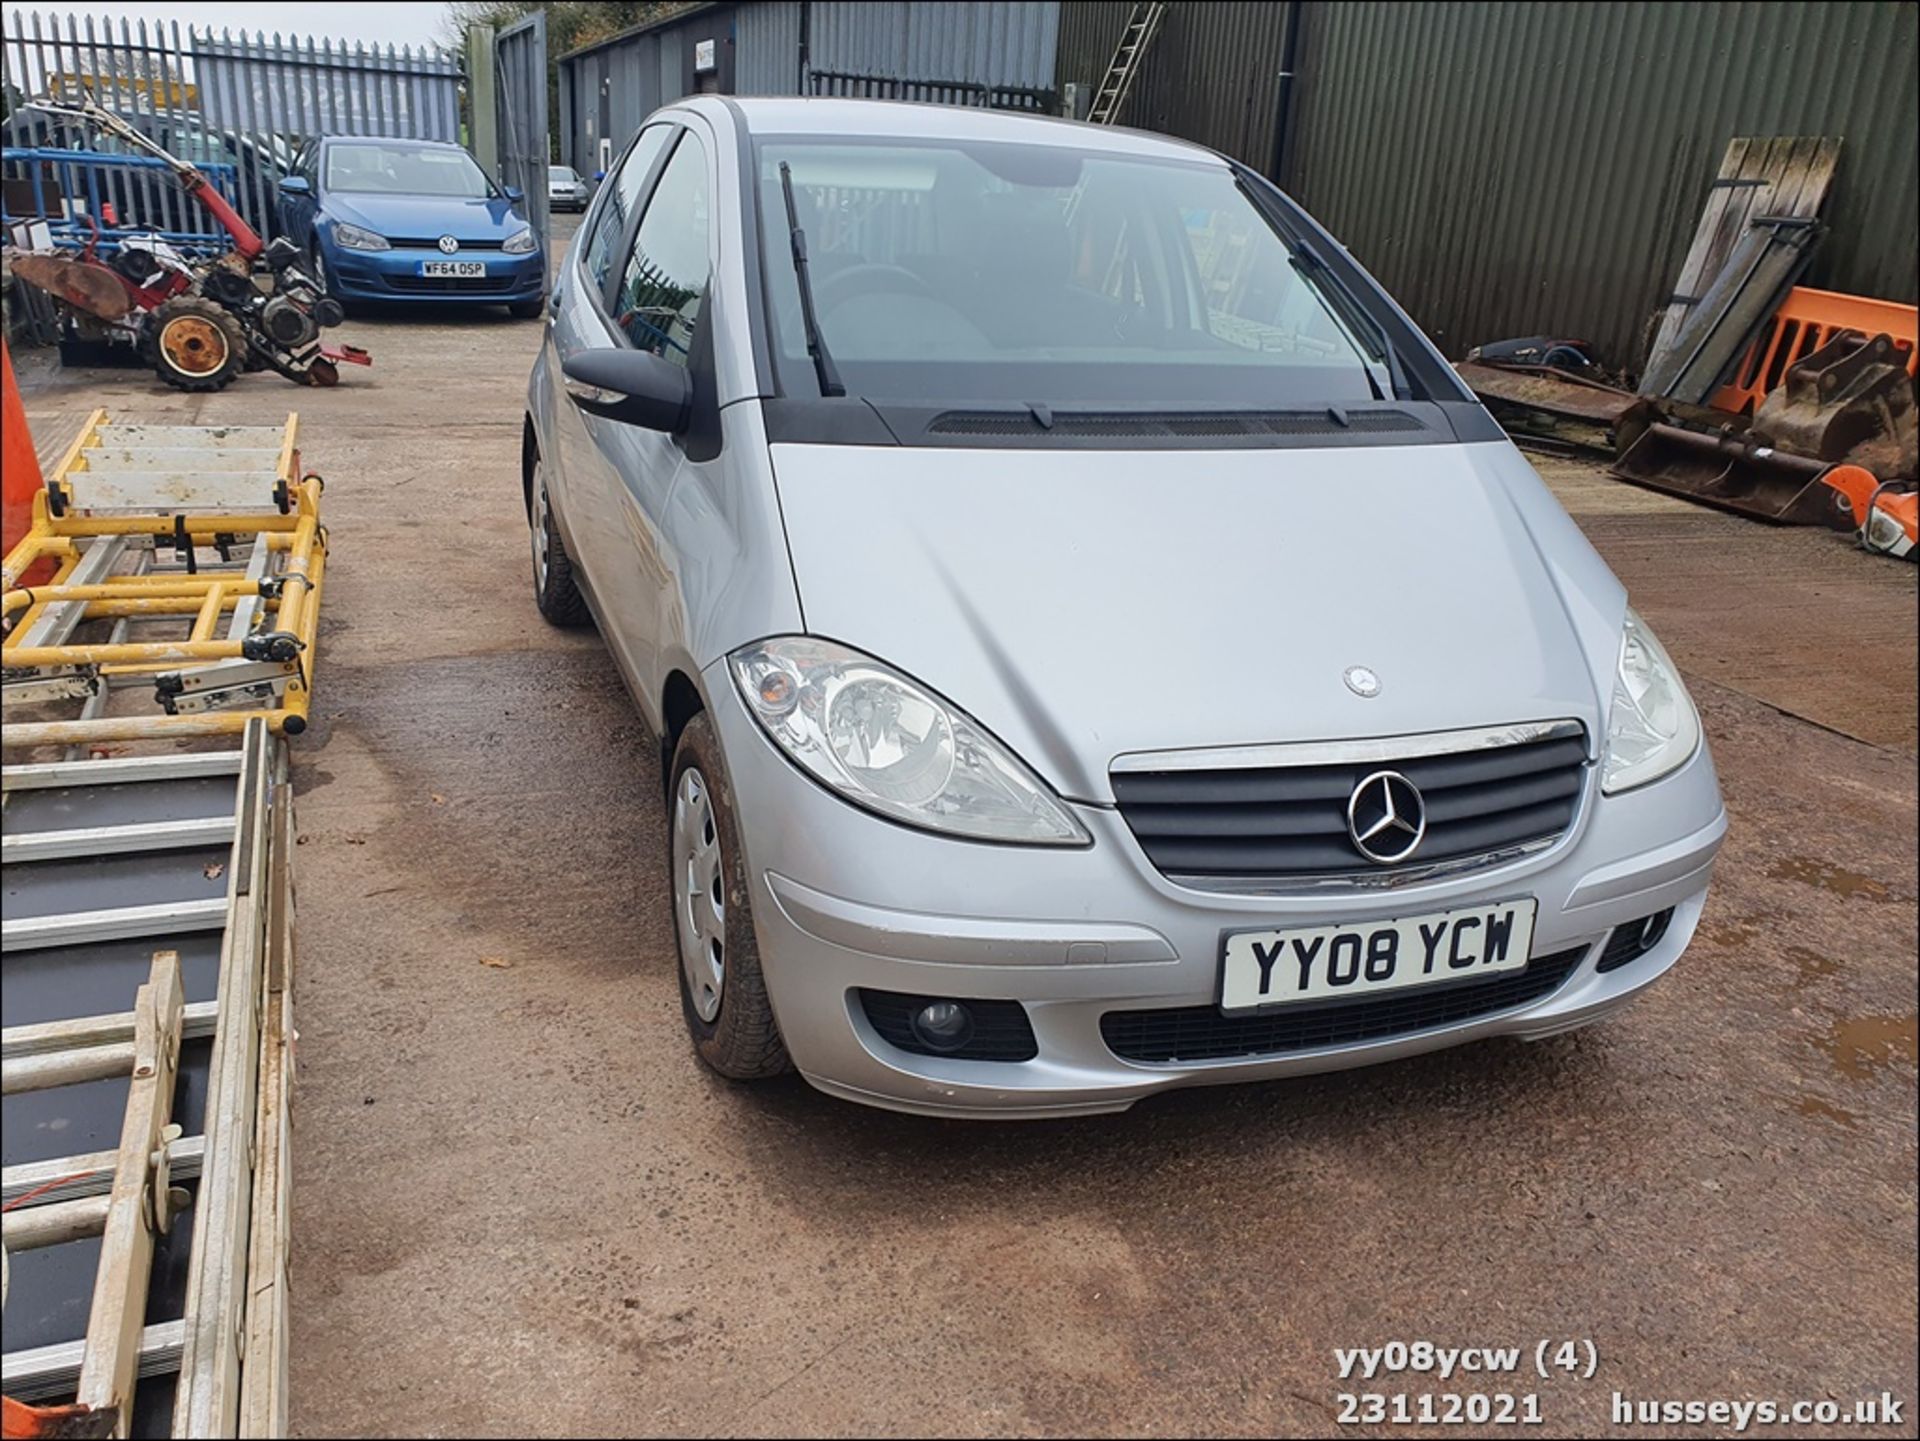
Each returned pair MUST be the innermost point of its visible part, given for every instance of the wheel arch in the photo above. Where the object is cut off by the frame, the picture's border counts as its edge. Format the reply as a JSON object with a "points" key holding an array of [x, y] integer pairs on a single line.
{"points": [[529, 457], [680, 702]]}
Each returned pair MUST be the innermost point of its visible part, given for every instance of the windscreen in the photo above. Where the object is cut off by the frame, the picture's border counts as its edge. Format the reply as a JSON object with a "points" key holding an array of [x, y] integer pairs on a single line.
{"points": [[949, 273], [386, 168]]}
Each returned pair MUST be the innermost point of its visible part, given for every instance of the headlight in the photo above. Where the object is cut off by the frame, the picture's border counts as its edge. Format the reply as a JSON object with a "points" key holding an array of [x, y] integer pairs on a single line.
{"points": [[354, 238], [891, 745], [1653, 727], [519, 243]]}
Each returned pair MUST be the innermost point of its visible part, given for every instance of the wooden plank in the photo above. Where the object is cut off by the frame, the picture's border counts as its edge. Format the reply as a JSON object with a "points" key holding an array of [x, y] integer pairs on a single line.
{"points": [[1781, 175], [1688, 281], [110, 1366], [263, 1394], [207, 1400]]}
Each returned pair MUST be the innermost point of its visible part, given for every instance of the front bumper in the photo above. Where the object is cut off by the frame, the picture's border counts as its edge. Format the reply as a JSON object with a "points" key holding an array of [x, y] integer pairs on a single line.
{"points": [[393, 276], [843, 900]]}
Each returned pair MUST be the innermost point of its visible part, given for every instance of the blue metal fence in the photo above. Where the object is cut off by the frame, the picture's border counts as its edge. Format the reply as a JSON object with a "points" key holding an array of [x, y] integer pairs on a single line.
{"points": [[87, 195]]}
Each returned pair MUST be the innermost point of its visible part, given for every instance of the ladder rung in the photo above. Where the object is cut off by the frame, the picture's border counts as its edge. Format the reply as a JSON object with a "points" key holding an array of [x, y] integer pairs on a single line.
{"points": [[123, 923], [50, 774], [55, 1370], [197, 1019], [117, 840], [90, 1174]]}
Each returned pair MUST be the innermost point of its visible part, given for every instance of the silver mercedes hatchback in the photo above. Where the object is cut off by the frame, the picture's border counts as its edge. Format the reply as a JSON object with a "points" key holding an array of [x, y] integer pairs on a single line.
{"points": [[1096, 644]]}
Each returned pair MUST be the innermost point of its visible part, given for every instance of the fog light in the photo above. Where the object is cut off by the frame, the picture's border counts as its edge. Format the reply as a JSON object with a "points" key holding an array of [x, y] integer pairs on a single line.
{"points": [[943, 1025], [1634, 940]]}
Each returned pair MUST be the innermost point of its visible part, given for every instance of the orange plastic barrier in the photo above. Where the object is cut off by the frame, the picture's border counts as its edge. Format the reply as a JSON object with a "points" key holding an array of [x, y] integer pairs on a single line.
{"points": [[1808, 319], [20, 477]]}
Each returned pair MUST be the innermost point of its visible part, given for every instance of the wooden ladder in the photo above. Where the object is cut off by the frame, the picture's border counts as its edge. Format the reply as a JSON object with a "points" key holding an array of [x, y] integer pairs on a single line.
{"points": [[1142, 25]]}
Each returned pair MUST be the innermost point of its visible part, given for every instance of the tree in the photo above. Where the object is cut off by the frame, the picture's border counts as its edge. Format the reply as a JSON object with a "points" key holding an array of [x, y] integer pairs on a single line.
{"points": [[570, 24]]}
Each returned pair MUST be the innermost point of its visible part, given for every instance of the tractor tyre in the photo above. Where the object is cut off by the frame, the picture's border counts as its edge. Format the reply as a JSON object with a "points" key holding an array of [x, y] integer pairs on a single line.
{"points": [[194, 344]]}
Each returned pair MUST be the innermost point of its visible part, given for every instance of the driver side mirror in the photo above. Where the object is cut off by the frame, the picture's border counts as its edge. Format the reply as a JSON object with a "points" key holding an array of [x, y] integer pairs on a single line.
{"points": [[634, 386], [514, 193], [294, 185]]}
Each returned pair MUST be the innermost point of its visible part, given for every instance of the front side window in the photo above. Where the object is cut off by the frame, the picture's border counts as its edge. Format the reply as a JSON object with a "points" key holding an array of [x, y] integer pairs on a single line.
{"points": [[956, 272], [617, 204], [658, 304], [363, 167]]}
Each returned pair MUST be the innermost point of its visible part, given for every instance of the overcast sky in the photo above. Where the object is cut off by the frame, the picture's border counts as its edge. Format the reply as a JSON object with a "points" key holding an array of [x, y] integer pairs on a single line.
{"points": [[393, 22]]}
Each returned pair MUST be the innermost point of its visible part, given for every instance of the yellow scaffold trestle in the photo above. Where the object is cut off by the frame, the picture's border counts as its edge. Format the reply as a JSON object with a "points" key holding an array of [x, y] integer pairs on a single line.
{"points": [[187, 559]]}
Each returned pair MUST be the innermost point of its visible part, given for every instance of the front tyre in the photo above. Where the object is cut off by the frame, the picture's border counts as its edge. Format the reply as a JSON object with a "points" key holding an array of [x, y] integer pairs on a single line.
{"points": [[722, 993], [554, 588], [526, 309]]}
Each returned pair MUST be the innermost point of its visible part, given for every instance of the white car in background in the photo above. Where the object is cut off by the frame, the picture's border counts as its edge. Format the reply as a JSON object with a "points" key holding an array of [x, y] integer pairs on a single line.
{"points": [[565, 189]]}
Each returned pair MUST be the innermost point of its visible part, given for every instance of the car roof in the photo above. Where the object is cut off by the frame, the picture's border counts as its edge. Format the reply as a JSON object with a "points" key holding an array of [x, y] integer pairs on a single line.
{"points": [[396, 140], [914, 120]]}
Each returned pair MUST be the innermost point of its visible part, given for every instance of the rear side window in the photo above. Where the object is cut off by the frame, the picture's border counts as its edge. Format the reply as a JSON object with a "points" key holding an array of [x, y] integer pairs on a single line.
{"points": [[623, 194], [658, 306]]}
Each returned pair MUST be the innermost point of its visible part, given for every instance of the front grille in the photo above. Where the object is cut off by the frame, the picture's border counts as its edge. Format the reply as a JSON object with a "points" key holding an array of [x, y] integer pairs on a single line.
{"points": [[1001, 1031], [1202, 1033], [432, 242], [1269, 822], [452, 284]]}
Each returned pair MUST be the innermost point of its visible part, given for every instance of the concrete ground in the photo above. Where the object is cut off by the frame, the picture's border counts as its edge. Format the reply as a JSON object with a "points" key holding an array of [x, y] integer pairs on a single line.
{"points": [[522, 1208]]}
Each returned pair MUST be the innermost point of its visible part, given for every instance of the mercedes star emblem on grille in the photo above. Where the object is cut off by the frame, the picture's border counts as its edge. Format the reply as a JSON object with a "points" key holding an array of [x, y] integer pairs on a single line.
{"points": [[1362, 682], [1386, 817], [448, 245]]}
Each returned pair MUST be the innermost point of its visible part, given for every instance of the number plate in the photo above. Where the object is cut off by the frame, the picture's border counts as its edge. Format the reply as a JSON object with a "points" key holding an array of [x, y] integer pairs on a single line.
{"points": [[1330, 963], [458, 269]]}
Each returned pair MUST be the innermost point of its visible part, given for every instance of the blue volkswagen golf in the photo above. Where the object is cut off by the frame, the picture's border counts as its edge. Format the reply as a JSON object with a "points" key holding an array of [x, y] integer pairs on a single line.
{"points": [[410, 220]]}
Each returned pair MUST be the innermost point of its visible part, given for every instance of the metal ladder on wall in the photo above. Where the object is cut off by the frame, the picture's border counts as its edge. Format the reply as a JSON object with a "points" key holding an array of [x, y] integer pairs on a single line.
{"points": [[1142, 25]]}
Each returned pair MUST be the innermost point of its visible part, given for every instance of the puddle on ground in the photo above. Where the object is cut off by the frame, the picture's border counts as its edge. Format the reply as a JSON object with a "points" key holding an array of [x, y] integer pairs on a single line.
{"points": [[1864, 1044], [1829, 877], [1731, 934], [1812, 966], [1822, 1110]]}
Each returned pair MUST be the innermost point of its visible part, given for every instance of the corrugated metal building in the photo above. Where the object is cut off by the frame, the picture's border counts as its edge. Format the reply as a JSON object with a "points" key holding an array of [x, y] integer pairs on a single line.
{"points": [[1510, 168], [1002, 51]]}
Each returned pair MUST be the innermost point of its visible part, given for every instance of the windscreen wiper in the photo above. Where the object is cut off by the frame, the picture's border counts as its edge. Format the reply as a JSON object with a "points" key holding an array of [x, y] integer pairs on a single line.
{"points": [[1331, 288], [823, 365], [1309, 263]]}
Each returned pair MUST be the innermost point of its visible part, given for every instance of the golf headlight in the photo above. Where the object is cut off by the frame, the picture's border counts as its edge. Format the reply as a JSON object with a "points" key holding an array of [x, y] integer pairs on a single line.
{"points": [[891, 745], [1653, 727], [519, 243], [352, 237]]}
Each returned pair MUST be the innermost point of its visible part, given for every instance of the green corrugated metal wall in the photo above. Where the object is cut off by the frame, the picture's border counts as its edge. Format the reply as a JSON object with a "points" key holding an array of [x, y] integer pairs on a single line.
{"points": [[1212, 74], [1509, 168]]}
